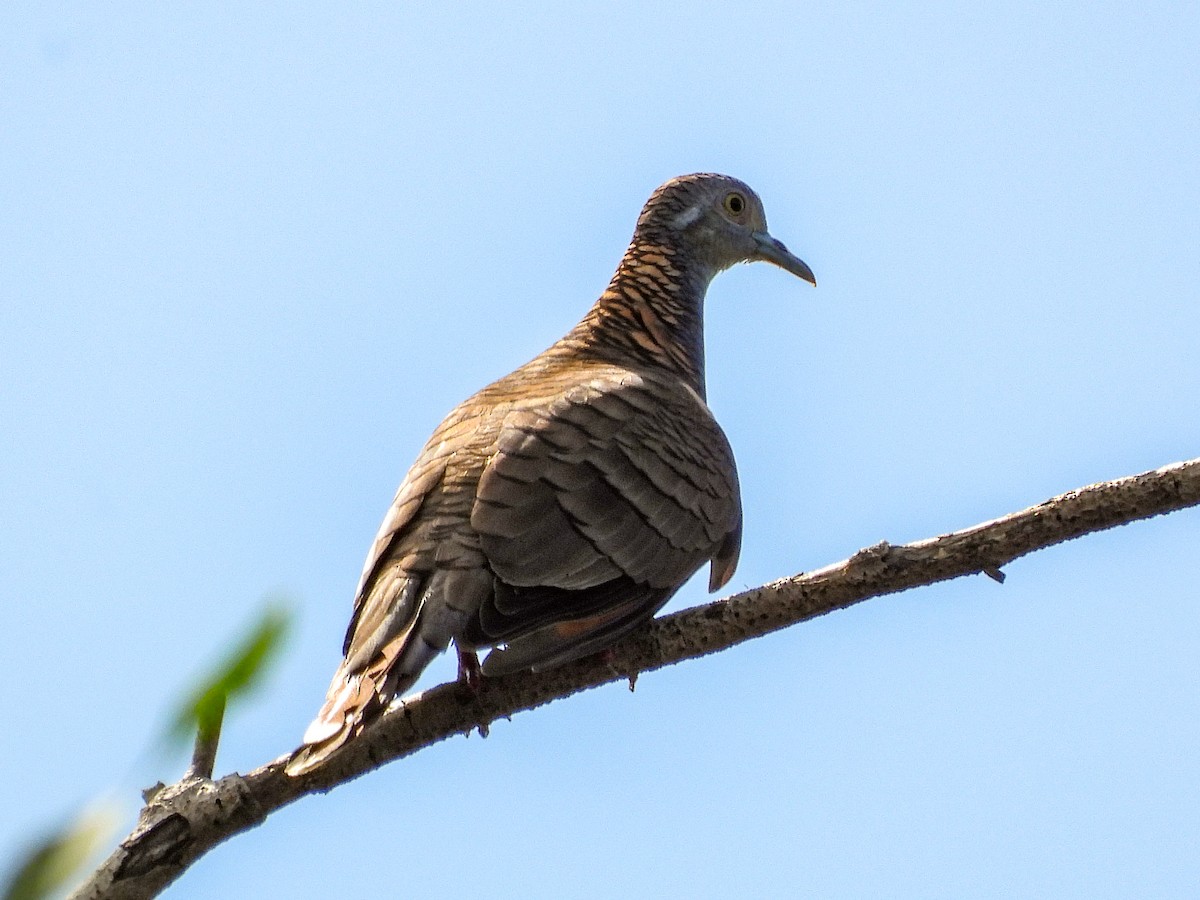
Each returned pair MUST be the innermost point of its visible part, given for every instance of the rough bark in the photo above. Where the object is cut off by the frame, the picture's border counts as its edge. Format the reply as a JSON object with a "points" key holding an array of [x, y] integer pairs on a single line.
{"points": [[183, 821]]}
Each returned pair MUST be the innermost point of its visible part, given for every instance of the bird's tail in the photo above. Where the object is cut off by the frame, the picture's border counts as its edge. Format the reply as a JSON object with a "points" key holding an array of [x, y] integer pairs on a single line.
{"points": [[359, 696], [352, 702], [393, 637]]}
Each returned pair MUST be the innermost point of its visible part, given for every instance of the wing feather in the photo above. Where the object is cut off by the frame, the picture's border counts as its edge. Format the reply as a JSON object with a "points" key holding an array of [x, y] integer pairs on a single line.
{"points": [[596, 507]]}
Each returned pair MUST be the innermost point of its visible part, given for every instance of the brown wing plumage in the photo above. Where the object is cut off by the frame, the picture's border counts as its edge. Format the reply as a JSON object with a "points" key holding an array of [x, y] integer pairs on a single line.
{"points": [[551, 523], [594, 510]]}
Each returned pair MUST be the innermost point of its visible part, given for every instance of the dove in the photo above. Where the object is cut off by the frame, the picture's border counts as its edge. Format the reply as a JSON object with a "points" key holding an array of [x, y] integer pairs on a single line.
{"points": [[562, 506]]}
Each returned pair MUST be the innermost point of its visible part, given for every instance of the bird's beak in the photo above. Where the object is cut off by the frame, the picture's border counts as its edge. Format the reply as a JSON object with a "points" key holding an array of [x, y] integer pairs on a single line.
{"points": [[773, 251]]}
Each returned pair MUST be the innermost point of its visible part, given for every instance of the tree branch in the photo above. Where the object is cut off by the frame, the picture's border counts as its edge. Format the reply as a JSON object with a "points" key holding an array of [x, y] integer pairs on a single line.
{"points": [[185, 820]]}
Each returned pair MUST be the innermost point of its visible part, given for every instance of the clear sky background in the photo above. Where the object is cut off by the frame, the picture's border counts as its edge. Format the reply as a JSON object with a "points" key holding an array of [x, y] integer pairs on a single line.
{"points": [[250, 255]]}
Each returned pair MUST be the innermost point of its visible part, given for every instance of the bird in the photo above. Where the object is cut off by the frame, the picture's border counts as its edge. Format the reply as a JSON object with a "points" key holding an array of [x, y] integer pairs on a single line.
{"points": [[561, 507]]}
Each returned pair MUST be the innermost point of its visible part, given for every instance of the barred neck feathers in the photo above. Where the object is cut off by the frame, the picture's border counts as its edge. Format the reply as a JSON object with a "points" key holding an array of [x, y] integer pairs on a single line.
{"points": [[652, 312]]}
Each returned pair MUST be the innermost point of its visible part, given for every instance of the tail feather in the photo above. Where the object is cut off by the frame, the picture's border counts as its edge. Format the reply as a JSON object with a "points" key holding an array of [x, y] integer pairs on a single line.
{"points": [[353, 702], [356, 699], [389, 647]]}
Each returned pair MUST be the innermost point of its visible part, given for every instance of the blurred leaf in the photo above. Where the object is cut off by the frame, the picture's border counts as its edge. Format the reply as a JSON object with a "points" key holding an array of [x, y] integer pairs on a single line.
{"points": [[237, 674], [55, 860]]}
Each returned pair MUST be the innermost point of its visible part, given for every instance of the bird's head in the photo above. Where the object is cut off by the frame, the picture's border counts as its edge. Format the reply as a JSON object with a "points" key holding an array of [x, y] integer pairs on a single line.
{"points": [[718, 220]]}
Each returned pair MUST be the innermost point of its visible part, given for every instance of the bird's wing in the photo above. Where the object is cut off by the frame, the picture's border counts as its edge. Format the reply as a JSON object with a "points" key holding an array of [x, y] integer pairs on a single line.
{"points": [[594, 508], [401, 550]]}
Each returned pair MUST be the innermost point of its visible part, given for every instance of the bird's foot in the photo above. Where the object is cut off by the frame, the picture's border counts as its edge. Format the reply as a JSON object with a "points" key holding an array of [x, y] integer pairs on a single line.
{"points": [[470, 676], [469, 671]]}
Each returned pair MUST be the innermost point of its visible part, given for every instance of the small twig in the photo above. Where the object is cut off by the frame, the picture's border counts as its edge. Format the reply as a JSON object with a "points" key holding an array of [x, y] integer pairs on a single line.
{"points": [[208, 736], [184, 821]]}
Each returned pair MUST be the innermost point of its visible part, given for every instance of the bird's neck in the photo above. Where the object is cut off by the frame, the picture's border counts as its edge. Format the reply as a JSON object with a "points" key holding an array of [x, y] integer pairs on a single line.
{"points": [[652, 311]]}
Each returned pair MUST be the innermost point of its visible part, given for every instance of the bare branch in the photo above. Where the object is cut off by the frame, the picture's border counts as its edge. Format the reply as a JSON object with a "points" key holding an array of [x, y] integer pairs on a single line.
{"points": [[183, 821]]}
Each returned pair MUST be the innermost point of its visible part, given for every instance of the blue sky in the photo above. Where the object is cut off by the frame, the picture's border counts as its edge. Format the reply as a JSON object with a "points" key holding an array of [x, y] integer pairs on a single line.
{"points": [[249, 256]]}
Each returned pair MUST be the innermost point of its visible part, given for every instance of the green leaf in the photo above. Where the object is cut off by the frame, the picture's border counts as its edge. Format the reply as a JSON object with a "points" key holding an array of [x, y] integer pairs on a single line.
{"points": [[55, 860], [240, 671]]}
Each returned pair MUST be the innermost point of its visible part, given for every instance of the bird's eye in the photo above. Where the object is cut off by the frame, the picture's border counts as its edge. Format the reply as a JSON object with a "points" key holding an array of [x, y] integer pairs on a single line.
{"points": [[735, 203]]}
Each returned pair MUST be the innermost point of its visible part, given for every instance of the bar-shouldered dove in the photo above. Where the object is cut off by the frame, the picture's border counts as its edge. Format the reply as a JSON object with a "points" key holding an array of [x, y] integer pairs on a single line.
{"points": [[561, 506]]}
